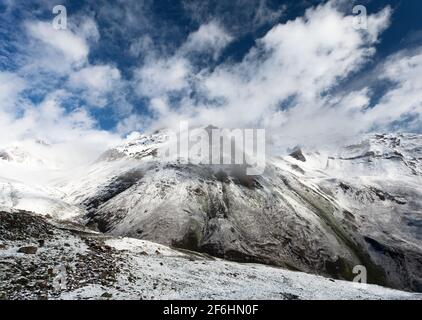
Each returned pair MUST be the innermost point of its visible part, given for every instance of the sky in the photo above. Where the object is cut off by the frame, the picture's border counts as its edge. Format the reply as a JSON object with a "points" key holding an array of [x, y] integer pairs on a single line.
{"points": [[303, 70]]}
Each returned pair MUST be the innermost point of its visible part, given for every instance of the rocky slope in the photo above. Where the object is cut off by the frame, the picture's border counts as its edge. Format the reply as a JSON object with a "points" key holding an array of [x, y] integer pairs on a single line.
{"points": [[43, 259]]}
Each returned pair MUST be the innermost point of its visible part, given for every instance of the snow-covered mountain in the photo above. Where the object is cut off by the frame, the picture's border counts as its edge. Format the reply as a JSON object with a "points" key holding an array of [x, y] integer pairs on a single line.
{"points": [[28, 173], [320, 211]]}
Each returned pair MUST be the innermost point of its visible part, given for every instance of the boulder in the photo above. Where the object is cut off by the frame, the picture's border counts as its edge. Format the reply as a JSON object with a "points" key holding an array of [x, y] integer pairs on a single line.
{"points": [[28, 250]]}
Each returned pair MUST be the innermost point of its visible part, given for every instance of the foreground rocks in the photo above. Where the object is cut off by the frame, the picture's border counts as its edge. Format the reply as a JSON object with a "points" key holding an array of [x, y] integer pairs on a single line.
{"points": [[29, 272]]}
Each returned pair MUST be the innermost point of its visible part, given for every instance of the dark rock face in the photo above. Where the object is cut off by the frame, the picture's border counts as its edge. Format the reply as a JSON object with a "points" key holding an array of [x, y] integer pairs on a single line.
{"points": [[398, 258], [298, 155], [116, 186], [4, 156]]}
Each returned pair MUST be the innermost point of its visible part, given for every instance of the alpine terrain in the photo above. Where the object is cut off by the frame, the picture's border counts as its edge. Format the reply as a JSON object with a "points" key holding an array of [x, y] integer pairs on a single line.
{"points": [[134, 225]]}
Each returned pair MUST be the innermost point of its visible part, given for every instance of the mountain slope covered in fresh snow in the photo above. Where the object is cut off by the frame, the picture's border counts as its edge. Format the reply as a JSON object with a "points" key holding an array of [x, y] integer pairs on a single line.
{"points": [[319, 211], [27, 181], [322, 212]]}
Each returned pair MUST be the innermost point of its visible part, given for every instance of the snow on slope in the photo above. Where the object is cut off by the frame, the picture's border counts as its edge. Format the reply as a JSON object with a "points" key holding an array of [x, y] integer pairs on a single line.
{"points": [[73, 263], [15, 195], [28, 172], [380, 155], [324, 213], [196, 277]]}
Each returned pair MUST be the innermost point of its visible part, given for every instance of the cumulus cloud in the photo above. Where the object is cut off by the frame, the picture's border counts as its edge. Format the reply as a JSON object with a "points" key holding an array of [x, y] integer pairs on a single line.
{"points": [[405, 70], [209, 38], [71, 47], [239, 17], [50, 121], [284, 82], [54, 67], [10, 87], [163, 76], [96, 82], [57, 60], [291, 81]]}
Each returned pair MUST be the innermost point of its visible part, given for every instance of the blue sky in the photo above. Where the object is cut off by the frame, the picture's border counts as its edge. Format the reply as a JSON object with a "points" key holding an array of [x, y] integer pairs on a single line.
{"points": [[297, 68]]}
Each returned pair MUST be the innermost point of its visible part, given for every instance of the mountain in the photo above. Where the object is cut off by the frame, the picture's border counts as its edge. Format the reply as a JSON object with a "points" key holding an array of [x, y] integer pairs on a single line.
{"points": [[322, 211], [27, 181], [44, 200]]}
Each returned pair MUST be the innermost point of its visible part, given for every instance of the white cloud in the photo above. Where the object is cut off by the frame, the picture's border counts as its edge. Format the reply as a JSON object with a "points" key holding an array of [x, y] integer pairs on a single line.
{"points": [[142, 45], [405, 70], [98, 77], [209, 38], [88, 30], [54, 55], [72, 47], [10, 87], [51, 55], [300, 60], [55, 67], [240, 17], [73, 135], [285, 83], [96, 82], [132, 123], [162, 76]]}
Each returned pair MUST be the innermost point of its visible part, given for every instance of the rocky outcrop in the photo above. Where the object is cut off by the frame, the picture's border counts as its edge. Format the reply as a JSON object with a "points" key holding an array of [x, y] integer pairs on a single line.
{"points": [[4, 156], [298, 155]]}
